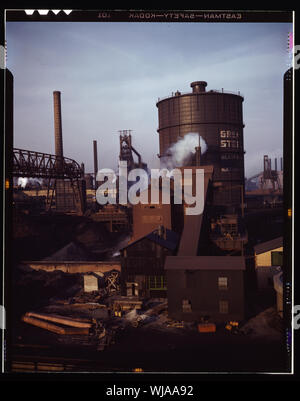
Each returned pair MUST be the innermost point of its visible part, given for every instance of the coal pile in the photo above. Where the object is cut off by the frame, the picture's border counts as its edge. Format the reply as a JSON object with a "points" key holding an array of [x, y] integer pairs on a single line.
{"points": [[35, 289], [73, 251]]}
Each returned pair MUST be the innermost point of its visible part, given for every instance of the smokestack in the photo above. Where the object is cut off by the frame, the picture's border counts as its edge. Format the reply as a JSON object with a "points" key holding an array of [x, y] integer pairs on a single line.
{"points": [[281, 166], [95, 162], [57, 124], [266, 163], [198, 155], [275, 163]]}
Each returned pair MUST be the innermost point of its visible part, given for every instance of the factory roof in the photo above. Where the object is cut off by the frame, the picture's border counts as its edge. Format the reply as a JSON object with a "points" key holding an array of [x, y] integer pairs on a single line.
{"points": [[268, 245], [167, 238], [263, 192], [205, 263], [203, 93]]}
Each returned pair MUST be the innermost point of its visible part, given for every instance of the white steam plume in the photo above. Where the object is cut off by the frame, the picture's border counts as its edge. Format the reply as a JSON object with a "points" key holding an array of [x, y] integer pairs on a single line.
{"points": [[180, 152], [23, 181]]}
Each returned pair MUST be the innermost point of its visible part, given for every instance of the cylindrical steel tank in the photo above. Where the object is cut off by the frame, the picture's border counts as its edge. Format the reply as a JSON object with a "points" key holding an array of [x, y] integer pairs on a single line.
{"points": [[218, 118], [57, 124]]}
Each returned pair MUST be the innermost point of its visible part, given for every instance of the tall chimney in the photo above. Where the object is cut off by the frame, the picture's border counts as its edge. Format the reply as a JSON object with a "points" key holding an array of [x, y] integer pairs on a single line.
{"points": [[95, 162], [281, 165], [57, 124], [198, 155], [275, 163]]}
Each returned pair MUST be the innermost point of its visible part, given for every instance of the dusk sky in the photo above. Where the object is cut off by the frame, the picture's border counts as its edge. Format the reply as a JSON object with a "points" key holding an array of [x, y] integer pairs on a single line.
{"points": [[112, 74]]}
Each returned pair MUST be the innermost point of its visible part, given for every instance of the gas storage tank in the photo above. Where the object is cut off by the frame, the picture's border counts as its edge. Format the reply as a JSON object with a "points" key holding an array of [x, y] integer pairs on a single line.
{"points": [[217, 116]]}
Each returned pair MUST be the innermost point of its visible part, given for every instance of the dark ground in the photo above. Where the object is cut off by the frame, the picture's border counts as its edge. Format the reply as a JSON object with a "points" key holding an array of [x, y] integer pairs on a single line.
{"points": [[150, 348], [175, 350], [159, 351]]}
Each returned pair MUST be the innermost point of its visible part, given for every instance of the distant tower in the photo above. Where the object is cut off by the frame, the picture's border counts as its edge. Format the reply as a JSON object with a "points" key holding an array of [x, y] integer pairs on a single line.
{"points": [[126, 148], [69, 195], [57, 124]]}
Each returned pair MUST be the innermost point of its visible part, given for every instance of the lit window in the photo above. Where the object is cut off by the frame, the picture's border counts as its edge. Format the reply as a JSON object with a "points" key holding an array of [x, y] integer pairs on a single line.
{"points": [[157, 283], [223, 283]]}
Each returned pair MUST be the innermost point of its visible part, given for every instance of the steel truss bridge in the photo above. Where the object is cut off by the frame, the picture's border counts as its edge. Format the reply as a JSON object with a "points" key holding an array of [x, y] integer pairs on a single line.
{"points": [[27, 163], [56, 169]]}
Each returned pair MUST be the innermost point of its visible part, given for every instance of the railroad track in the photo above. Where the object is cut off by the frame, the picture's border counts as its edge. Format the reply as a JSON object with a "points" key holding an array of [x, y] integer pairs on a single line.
{"points": [[33, 363]]}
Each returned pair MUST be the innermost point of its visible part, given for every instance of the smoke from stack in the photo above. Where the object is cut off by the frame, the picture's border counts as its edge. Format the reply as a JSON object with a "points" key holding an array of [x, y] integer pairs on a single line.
{"points": [[180, 152], [23, 181]]}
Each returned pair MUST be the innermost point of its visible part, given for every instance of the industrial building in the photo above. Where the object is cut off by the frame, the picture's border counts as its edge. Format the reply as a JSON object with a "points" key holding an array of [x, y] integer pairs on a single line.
{"points": [[203, 280], [268, 262], [192, 276], [209, 254], [143, 263], [116, 218], [210, 287], [148, 217], [265, 189], [217, 116], [196, 261], [167, 224]]}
